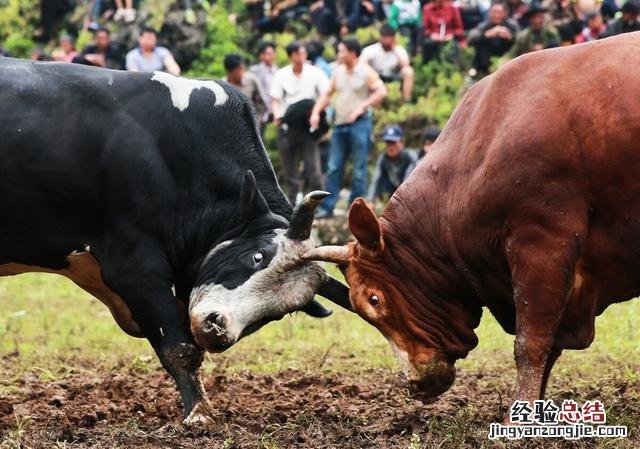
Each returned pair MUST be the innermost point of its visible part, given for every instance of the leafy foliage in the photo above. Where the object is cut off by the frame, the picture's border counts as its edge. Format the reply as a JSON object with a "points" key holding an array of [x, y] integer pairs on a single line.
{"points": [[223, 37], [17, 23]]}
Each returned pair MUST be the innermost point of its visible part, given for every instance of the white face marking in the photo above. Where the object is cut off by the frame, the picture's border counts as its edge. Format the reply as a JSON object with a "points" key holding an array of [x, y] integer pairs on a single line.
{"points": [[181, 88], [215, 249], [402, 356], [283, 286]]}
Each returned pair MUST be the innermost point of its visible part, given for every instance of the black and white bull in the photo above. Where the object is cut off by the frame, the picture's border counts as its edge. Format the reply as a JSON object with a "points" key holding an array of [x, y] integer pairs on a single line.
{"points": [[155, 194]]}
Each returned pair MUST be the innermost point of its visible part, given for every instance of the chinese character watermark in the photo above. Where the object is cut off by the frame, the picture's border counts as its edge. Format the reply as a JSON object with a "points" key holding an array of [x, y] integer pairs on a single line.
{"points": [[546, 420]]}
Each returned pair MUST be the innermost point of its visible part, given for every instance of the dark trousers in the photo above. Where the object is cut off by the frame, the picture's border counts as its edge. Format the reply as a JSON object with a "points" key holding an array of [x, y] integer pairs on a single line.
{"points": [[296, 146], [431, 49], [412, 34], [485, 50]]}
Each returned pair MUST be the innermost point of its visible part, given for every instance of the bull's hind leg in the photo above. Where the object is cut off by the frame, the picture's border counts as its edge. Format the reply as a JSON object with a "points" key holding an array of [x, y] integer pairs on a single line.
{"points": [[143, 282], [542, 262]]}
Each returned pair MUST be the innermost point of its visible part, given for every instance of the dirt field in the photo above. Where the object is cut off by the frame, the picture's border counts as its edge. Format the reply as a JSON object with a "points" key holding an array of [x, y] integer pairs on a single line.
{"points": [[289, 409]]}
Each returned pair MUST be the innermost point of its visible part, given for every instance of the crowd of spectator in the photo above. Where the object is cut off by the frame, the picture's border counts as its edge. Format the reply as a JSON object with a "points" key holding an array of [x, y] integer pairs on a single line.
{"points": [[303, 97], [358, 77]]}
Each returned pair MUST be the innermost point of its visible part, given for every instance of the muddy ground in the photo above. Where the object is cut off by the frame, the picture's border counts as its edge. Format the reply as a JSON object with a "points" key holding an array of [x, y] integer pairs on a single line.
{"points": [[288, 409]]}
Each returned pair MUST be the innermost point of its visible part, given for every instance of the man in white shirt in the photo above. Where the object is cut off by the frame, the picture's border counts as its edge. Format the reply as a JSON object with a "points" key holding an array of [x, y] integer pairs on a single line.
{"points": [[390, 60], [294, 91]]}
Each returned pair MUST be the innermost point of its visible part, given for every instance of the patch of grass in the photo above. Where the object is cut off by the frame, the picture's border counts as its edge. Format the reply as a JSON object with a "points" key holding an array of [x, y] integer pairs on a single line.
{"points": [[47, 320]]}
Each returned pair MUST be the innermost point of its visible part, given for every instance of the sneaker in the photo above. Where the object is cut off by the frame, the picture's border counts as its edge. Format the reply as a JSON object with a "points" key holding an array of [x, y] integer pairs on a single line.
{"points": [[129, 15], [119, 15]]}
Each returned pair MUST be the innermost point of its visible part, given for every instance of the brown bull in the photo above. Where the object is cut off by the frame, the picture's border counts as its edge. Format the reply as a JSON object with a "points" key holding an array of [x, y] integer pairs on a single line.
{"points": [[528, 204]]}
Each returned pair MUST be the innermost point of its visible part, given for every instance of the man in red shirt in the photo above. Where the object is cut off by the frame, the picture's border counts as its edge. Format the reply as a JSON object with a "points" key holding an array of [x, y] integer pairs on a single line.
{"points": [[442, 23]]}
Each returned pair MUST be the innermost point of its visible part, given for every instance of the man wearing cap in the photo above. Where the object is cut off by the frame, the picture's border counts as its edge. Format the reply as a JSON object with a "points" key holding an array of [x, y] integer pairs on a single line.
{"points": [[538, 36], [391, 167]]}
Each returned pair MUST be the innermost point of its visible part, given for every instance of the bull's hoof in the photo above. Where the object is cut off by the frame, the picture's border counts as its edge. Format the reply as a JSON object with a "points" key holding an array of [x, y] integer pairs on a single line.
{"points": [[199, 416]]}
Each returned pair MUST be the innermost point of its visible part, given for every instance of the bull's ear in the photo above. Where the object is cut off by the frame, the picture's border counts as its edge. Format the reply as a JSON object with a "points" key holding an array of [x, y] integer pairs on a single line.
{"points": [[366, 228], [252, 203]]}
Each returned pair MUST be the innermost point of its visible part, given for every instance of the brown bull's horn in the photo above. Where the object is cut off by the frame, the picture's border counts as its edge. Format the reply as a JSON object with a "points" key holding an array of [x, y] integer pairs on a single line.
{"points": [[302, 218], [336, 292], [332, 253]]}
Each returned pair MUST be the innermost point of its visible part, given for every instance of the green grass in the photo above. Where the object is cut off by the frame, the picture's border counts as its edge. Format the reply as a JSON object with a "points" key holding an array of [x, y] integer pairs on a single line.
{"points": [[48, 321]]}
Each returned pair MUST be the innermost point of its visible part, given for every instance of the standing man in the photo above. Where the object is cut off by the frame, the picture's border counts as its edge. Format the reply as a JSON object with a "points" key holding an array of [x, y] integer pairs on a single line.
{"points": [[265, 71], [358, 88], [294, 91], [390, 60]]}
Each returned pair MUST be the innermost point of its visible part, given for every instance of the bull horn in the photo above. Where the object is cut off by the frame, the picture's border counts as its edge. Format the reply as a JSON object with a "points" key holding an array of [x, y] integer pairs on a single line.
{"points": [[336, 292], [331, 253], [316, 310], [302, 218]]}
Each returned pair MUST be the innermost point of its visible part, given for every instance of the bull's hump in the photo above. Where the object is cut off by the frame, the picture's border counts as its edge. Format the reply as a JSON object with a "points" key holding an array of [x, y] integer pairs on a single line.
{"points": [[181, 89]]}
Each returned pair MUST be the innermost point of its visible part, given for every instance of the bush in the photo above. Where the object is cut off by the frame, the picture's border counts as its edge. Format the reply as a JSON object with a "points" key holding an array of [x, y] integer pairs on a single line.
{"points": [[18, 19], [223, 37]]}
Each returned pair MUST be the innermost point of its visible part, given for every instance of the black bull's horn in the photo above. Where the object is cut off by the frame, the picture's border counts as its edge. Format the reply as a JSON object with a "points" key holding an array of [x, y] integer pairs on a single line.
{"points": [[302, 218], [335, 291], [300, 229]]}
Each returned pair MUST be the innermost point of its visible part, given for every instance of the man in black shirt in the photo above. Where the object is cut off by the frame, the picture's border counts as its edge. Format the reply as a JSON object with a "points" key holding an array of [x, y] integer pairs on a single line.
{"points": [[493, 37], [102, 53], [391, 166]]}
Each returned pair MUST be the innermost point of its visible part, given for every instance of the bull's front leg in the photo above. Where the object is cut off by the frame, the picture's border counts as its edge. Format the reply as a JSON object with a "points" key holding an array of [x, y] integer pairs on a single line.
{"points": [[542, 264], [145, 287]]}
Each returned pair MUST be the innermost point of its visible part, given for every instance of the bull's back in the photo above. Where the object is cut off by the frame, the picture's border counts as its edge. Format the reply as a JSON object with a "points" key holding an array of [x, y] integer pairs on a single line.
{"points": [[56, 130], [547, 121], [553, 140]]}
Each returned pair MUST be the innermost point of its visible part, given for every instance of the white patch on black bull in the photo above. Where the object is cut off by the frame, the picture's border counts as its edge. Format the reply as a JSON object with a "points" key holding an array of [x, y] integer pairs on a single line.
{"points": [[181, 88], [285, 285]]}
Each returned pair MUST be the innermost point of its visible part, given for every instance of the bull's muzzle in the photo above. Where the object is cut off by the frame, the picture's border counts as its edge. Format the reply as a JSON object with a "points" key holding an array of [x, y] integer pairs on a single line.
{"points": [[211, 332], [431, 379]]}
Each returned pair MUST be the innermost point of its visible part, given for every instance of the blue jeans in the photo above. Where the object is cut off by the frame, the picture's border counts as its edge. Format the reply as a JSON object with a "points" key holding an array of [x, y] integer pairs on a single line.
{"points": [[350, 140]]}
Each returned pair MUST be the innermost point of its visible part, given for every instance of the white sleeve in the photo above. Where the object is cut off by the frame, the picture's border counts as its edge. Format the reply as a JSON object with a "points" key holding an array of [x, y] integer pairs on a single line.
{"points": [[276, 92], [323, 81], [367, 53], [402, 53]]}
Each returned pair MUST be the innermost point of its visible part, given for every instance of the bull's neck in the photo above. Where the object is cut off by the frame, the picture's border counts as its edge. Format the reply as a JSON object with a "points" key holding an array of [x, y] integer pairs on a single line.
{"points": [[420, 250]]}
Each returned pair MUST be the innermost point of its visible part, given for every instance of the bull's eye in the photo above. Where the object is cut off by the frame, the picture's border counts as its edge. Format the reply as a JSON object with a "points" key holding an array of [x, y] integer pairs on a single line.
{"points": [[258, 258], [374, 301]]}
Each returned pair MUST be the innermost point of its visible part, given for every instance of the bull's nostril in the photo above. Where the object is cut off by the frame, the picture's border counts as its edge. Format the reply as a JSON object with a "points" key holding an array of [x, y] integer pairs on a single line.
{"points": [[214, 321]]}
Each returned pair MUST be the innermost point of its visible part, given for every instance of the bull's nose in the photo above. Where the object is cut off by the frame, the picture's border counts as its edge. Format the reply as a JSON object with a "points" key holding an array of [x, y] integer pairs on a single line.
{"points": [[432, 384], [211, 332], [214, 322]]}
